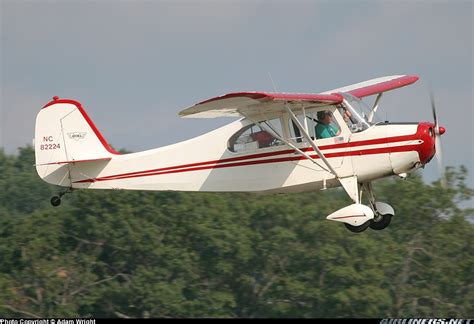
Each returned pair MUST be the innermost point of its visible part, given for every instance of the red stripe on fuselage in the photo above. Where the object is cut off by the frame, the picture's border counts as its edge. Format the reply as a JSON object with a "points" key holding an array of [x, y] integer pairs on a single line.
{"points": [[254, 162], [262, 155]]}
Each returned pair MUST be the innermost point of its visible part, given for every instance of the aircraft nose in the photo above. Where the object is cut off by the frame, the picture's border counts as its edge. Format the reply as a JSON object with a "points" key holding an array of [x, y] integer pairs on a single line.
{"points": [[426, 150]]}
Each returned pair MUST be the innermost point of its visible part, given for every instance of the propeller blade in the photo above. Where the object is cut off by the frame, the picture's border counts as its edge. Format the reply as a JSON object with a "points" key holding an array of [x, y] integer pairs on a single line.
{"points": [[438, 146], [433, 108]]}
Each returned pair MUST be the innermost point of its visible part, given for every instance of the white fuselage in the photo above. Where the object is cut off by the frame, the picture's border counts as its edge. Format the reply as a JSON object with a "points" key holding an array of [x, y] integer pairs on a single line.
{"points": [[205, 163]]}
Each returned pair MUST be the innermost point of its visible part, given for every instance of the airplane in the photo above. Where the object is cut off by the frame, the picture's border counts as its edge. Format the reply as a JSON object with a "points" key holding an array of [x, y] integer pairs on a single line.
{"points": [[283, 142]]}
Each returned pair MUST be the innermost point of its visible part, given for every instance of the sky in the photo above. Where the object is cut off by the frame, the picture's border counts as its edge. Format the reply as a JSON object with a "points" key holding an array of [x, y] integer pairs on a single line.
{"points": [[135, 64]]}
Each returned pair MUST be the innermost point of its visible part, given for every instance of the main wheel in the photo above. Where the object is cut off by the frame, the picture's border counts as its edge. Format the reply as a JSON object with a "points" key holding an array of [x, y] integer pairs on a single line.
{"points": [[55, 201], [357, 229], [381, 223]]}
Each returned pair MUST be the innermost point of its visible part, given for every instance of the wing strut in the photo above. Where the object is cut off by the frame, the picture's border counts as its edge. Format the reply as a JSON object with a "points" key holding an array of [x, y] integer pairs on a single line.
{"points": [[374, 108], [275, 134], [350, 184], [310, 141]]}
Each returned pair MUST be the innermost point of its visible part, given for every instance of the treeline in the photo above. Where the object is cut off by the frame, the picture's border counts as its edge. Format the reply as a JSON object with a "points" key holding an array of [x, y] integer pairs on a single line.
{"points": [[172, 254]]}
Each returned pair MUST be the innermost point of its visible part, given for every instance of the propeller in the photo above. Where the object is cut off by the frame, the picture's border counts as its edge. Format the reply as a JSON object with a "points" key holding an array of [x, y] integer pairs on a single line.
{"points": [[438, 147]]}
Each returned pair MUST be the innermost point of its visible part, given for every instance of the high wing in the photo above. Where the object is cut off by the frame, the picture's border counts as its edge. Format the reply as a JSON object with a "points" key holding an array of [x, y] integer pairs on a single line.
{"points": [[239, 104]]}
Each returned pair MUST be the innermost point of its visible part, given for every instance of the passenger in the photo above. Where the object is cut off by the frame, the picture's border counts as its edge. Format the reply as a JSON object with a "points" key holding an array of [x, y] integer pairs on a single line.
{"points": [[324, 129], [347, 115]]}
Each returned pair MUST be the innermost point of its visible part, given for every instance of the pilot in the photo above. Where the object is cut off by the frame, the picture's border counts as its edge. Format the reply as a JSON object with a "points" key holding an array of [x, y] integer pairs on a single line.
{"points": [[324, 129]]}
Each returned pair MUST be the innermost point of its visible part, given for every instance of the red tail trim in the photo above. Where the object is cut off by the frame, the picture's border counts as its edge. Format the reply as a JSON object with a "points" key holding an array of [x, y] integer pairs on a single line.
{"points": [[88, 120]]}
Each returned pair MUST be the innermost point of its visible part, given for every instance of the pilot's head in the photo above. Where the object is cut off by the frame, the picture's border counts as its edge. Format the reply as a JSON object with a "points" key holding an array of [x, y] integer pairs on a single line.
{"points": [[324, 116]]}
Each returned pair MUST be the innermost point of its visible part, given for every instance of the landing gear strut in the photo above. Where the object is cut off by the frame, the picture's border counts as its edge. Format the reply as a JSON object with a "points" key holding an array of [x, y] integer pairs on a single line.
{"points": [[56, 200], [359, 217], [383, 212]]}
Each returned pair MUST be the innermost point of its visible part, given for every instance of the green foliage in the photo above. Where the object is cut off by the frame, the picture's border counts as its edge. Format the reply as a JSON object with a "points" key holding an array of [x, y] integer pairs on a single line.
{"points": [[170, 254]]}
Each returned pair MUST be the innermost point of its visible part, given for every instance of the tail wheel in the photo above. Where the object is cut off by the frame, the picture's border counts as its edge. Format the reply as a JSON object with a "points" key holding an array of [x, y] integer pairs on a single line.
{"points": [[381, 222], [357, 229], [56, 201]]}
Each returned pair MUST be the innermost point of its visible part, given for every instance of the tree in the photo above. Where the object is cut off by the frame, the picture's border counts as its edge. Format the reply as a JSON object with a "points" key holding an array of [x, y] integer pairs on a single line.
{"points": [[174, 254]]}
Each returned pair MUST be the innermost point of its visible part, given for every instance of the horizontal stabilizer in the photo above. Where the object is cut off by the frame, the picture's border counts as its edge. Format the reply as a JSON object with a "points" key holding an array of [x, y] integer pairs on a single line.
{"points": [[77, 161]]}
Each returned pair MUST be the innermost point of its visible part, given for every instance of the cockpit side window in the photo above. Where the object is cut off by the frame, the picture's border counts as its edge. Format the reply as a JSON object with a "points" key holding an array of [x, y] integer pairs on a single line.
{"points": [[253, 137], [320, 123], [326, 126], [295, 134], [348, 118]]}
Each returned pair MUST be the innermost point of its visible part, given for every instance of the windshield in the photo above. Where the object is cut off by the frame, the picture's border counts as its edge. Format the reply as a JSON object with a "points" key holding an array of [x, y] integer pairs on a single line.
{"points": [[356, 113]]}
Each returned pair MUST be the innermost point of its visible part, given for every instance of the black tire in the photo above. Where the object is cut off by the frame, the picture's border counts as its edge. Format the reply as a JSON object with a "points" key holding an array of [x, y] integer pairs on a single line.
{"points": [[357, 229], [381, 224], [55, 201]]}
